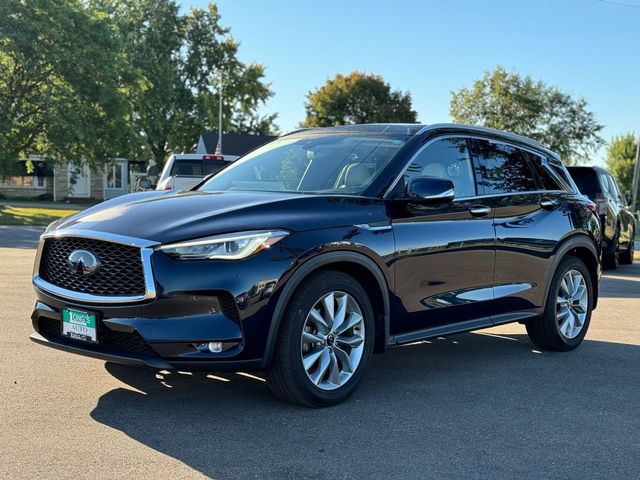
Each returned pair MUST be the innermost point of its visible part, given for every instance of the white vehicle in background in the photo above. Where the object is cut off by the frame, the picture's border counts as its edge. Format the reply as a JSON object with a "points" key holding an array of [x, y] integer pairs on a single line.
{"points": [[184, 171]]}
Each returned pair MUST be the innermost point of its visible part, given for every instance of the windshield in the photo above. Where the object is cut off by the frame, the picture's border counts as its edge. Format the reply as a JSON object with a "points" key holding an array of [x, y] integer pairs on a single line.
{"points": [[311, 163]]}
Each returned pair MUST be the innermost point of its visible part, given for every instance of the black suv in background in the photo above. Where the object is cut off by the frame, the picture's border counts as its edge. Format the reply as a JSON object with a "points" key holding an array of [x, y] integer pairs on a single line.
{"points": [[312, 252], [618, 223]]}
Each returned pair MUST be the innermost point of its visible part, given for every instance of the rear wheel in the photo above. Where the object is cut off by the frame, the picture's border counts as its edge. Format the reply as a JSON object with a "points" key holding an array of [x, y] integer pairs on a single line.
{"points": [[325, 341], [626, 257], [610, 258], [567, 314]]}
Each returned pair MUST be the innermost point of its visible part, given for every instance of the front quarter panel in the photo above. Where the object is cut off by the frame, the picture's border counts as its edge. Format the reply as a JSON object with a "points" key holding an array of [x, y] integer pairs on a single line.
{"points": [[255, 284]]}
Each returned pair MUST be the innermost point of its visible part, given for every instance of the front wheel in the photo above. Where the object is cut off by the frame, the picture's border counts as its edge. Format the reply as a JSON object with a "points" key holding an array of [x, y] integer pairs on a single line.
{"points": [[610, 258], [626, 257], [567, 314], [325, 341]]}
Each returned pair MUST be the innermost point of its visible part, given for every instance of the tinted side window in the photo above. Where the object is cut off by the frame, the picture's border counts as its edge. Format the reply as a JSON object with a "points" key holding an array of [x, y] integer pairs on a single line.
{"points": [[615, 190], [504, 169], [546, 181], [604, 183], [446, 158]]}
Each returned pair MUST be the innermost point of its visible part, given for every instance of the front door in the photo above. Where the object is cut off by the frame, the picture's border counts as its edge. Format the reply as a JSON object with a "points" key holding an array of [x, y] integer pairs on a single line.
{"points": [[79, 181], [444, 254]]}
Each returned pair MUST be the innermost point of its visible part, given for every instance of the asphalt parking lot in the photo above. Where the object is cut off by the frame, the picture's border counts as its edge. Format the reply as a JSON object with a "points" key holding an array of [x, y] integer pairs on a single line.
{"points": [[478, 405]]}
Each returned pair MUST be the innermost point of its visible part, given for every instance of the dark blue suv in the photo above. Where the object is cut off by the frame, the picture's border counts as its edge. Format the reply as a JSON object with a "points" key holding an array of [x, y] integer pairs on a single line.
{"points": [[311, 253]]}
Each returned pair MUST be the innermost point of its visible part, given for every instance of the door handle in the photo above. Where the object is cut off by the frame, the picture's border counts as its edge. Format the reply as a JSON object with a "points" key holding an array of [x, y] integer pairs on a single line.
{"points": [[547, 203], [479, 210]]}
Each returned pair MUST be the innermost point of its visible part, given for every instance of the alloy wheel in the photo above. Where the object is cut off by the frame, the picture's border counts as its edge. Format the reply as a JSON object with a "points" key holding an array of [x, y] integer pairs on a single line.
{"points": [[572, 304], [333, 340]]}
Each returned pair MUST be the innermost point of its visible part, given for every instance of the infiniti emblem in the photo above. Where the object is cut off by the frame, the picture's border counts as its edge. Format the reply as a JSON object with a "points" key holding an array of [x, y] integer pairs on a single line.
{"points": [[83, 262]]}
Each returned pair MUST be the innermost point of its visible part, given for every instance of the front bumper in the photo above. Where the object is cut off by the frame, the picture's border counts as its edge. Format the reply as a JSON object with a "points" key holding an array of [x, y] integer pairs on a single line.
{"points": [[167, 340], [150, 361]]}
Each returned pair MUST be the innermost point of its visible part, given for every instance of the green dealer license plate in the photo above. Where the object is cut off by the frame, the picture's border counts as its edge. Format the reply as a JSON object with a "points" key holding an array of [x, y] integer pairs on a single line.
{"points": [[79, 325]]}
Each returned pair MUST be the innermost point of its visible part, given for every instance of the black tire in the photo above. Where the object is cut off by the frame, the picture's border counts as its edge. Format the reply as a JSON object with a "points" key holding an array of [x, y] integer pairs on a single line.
{"points": [[544, 331], [626, 257], [287, 377], [611, 258]]}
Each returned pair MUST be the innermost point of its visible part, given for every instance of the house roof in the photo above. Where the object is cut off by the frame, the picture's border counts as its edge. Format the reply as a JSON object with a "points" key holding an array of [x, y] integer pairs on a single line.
{"points": [[232, 143]]}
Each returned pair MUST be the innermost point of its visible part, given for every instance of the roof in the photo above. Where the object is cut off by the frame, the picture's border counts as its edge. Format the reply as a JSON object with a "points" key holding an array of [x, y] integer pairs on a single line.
{"points": [[587, 167], [367, 128], [232, 143], [418, 129], [490, 131]]}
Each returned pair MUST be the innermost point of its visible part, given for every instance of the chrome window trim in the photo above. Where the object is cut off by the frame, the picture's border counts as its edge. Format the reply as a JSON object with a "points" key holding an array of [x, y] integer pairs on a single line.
{"points": [[475, 137], [146, 250]]}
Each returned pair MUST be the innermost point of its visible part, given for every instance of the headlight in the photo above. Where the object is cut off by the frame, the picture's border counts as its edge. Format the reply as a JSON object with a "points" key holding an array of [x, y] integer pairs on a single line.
{"points": [[235, 246]]}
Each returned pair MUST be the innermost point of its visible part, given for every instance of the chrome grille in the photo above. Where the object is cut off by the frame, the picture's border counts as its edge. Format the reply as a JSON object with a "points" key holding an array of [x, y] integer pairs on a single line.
{"points": [[121, 272]]}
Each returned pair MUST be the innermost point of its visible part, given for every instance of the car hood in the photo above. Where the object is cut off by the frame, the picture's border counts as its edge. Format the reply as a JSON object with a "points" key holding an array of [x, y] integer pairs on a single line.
{"points": [[171, 216]]}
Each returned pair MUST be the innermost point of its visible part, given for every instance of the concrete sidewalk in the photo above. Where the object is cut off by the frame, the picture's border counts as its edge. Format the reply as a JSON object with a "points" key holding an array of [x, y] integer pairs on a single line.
{"points": [[55, 205]]}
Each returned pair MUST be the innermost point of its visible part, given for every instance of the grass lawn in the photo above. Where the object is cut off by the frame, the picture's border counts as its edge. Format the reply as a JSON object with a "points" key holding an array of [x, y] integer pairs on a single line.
{"points": [[10, 215]]}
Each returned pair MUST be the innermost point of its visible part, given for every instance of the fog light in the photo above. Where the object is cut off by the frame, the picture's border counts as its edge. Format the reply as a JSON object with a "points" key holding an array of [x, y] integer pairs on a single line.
{"points": [[215, 347]]}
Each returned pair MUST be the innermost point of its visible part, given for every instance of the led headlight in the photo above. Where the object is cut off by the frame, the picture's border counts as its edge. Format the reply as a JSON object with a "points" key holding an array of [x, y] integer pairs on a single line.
{"points": [[235, 246]]}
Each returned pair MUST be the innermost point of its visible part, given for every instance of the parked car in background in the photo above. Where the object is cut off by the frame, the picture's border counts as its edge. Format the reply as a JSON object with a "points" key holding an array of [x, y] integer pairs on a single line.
{"points": [[618, 222], [184, 171], [322, 247]]}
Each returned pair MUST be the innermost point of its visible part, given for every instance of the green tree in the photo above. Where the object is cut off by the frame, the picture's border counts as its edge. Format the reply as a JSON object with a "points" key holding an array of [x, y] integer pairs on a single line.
{"points": [[621, 156], [180, 59], [507, 101], [357, 98], [60, 81]]}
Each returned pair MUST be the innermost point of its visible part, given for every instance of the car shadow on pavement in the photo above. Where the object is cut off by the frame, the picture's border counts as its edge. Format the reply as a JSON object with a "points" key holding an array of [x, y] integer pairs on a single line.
{"points": [[474, 405], [623, 282]]}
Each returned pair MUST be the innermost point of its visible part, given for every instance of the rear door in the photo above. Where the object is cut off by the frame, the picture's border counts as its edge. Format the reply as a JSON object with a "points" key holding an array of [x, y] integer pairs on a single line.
{"points": [[623, 214], [527, 222]]}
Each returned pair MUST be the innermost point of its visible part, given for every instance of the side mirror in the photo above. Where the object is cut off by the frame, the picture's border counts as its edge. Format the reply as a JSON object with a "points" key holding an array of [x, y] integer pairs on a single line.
{"points": [[430, 190], [145, 184]]}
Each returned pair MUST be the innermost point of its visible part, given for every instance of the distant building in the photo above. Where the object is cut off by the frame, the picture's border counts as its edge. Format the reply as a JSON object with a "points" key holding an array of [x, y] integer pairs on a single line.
{"points": [[236, 144], [65, 181], [20, 183]]}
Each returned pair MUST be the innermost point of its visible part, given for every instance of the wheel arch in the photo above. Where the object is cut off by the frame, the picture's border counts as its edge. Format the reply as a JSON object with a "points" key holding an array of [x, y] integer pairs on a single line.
{"points": [[355, 264], [583, 248]]}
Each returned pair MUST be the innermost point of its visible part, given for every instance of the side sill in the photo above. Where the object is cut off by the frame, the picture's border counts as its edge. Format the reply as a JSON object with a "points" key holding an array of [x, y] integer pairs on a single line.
{"points": [[461, 327]]}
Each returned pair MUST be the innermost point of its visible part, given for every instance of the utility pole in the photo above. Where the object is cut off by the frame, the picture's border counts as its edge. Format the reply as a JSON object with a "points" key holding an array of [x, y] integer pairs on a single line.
{"points": [[219, 146], [220, 117], [636, 178]]}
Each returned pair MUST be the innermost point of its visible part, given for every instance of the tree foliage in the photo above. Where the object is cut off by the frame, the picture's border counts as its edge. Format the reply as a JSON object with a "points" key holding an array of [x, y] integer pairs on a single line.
{"points": [[85, 80], [621, 156], [507, 101], [59, 82], [181, 59], [357, 98]]}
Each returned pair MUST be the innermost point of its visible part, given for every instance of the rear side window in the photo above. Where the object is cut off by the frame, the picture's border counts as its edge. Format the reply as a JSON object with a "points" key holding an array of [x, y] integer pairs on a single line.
{"points": [[186, 168], [196, 168], [546, 180], [604, 183], [504, 168]]}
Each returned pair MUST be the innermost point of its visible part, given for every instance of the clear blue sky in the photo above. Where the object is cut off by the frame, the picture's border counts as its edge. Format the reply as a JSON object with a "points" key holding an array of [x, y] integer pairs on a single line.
{"points": [[588, 48]]}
